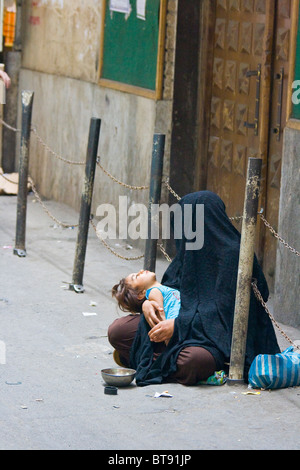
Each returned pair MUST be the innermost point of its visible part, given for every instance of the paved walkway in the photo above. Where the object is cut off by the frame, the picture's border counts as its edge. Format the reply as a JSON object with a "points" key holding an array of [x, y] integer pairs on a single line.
{"points": [[51, 389]]}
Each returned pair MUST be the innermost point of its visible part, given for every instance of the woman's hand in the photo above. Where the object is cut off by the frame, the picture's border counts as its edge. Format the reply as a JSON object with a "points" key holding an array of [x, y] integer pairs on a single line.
{"points": [[162, 331], [153, 312]]}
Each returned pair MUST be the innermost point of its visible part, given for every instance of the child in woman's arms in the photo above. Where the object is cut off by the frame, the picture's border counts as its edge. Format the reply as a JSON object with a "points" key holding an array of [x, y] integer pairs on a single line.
{"points": [[132, 291]]}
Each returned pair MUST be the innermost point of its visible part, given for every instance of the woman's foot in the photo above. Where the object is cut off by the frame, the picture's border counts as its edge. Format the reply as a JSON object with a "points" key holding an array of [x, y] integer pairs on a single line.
{"points": [[117, 359]]}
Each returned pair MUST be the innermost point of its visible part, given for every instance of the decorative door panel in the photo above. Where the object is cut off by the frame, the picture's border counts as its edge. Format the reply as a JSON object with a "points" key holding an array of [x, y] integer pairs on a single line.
{"points": [[247, 115], [238, 53]]}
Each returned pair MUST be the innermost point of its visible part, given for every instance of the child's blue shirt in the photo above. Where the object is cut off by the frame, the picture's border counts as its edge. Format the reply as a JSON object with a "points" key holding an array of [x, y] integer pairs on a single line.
{"points": [[171, 300]]}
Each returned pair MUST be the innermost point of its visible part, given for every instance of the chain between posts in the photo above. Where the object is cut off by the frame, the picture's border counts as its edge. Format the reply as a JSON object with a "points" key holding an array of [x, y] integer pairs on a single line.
{"points": [[260, 298], [48, 149], [110, 249], [166, 182], [38, 197], [237, 218], [125, 185], [293, 250], [253, 284], [41, 141]]}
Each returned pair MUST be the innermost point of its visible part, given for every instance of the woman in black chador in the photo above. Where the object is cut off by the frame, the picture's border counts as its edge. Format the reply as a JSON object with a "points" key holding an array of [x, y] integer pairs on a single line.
{"points": [[198, 342]]}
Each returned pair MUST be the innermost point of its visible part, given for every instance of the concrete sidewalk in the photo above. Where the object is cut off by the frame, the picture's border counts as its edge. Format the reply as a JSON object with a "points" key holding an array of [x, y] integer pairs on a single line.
{"points": [[51, 389]]}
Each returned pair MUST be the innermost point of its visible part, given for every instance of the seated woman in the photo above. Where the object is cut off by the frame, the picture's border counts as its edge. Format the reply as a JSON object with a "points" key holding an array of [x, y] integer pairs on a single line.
{"points": [[190, 347], [164, 304]]}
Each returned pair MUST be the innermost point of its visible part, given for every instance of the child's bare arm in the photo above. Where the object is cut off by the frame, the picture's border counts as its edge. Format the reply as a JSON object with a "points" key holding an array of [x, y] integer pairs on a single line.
{"points": [[156, 296]]}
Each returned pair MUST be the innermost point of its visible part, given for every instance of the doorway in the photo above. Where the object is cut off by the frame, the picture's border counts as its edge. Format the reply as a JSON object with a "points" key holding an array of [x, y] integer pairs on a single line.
{"points": [[243, 81]]}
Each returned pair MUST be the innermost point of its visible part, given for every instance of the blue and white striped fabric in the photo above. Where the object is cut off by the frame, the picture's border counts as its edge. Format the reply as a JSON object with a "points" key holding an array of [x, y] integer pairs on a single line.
{"points": [[275, 371]]}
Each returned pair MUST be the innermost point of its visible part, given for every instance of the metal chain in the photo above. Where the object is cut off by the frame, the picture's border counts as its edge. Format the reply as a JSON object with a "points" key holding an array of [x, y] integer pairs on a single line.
{"points": [[238, 218], [133, 258], [45, 208], [259, 297], [48, 149], [56, 155], [166, 182], [165, 253], [129, 186], [278, 236]]}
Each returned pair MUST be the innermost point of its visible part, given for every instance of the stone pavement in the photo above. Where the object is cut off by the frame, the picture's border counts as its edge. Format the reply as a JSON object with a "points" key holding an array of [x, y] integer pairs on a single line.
{"points": [[53, 345]]}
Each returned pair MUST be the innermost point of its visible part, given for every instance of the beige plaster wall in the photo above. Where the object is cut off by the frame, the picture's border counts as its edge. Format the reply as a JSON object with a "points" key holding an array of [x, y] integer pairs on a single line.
{"points": [[62, 37], [62, 111], [60, 61]]}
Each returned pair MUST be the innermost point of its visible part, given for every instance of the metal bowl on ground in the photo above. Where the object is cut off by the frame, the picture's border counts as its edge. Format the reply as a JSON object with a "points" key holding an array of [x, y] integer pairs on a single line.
{"points": [[118, 376]]}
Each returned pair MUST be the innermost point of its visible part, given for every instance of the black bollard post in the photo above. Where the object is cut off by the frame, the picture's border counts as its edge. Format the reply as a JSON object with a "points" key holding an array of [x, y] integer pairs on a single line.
{"points": [[154, 198], [27, 102], [85, 207], [245, 268]]}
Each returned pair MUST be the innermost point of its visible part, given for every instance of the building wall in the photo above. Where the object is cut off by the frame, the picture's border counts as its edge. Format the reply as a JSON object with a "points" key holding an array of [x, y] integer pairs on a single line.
{"points": [[60, 59], [62, 110], [62, 37], [287, 285]]}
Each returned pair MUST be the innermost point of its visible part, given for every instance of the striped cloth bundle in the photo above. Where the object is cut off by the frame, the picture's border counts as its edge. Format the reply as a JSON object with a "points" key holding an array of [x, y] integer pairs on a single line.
{"points": [[275, 371]]}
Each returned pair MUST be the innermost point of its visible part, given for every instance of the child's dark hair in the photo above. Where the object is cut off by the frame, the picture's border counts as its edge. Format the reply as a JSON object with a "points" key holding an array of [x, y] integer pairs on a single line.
{"points": [[127, 297]]}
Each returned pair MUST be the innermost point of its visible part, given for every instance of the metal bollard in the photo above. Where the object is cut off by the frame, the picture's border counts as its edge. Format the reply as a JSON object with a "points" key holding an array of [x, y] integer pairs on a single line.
{"points": [[27, 102], [154, 198], [245, 268], [85, 207]]}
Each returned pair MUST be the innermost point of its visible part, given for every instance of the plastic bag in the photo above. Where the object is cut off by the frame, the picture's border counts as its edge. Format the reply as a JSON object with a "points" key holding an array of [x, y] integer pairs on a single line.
{"points": [[275, 371]]}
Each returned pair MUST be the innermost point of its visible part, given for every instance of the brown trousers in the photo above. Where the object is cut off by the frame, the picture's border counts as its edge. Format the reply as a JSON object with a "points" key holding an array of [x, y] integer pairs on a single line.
{"points": [[193, 363]]}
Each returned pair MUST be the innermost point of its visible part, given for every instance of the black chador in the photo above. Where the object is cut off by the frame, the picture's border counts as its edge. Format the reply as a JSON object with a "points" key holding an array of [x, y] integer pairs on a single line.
{"points": [[206, 279]]}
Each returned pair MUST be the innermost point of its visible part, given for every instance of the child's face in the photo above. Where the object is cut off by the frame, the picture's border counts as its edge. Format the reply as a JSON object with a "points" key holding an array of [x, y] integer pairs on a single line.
{"points": [[142, 280]]}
